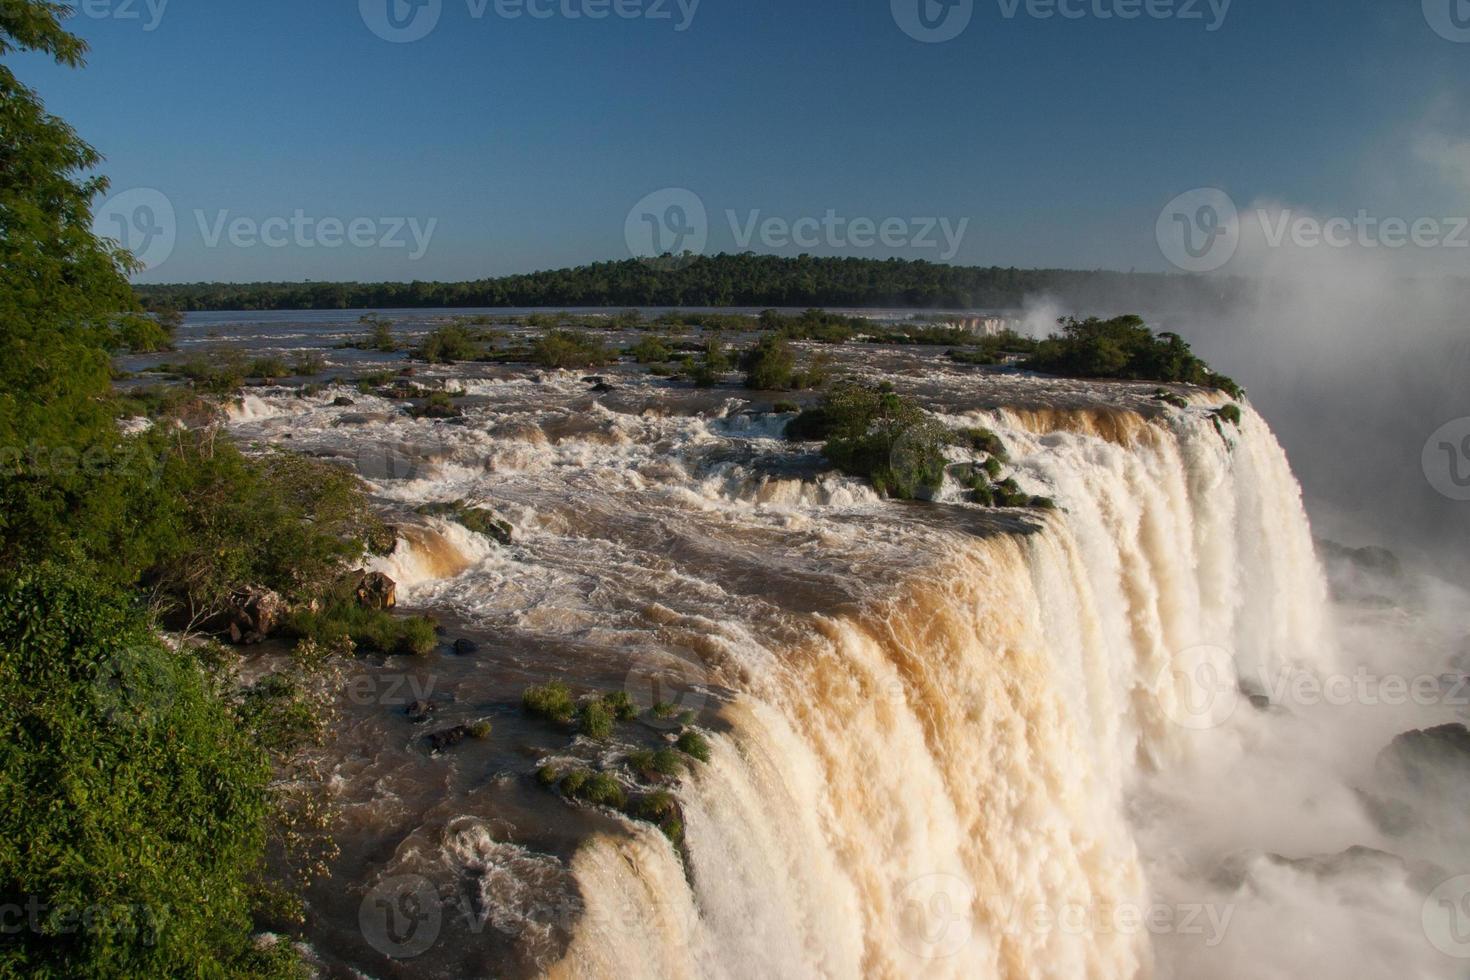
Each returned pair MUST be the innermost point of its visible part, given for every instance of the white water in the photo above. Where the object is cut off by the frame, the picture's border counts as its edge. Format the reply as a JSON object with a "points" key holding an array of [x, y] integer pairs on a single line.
{"points": [[1015, 755], [917, 784]]}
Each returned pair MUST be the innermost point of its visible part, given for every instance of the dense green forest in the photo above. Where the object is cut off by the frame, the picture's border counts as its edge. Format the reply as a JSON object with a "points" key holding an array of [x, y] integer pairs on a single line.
{"points": [[717, 280]]}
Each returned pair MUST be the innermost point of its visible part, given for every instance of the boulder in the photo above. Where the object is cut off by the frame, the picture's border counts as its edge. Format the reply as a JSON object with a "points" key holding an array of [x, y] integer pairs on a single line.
{"points": [[477, 519], [383, 539], [376, 591], [448, 738], [342, 401], [465, 648], [254, 614], [420, 711]]}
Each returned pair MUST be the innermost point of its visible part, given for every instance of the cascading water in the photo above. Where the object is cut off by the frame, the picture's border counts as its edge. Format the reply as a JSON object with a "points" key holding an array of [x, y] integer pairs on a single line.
{"points": [[945, 740], [908, 791]]}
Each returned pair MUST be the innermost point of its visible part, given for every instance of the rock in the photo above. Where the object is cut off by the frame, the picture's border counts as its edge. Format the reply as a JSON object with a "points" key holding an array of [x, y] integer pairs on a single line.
{"points": [[255, 614], [465, 648], [594, 379], [420, 711], [450, 737], [477, 519], [603, 388], [407, 372], [1430, 756], [376, 591], [342, 401]]}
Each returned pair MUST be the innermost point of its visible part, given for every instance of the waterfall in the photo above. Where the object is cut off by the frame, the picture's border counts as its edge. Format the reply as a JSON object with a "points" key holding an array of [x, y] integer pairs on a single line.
{"points": [[937, 784]]}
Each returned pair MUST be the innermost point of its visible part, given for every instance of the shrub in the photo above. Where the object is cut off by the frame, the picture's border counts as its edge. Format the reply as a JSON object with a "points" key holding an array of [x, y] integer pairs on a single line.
{"points": [[308, 364], [1229, 413], [127, 788], [602, 789], [438, 405], [769, 364], [573, 782], [663, 709], [566, 349], [548, 776], [448, 344], [1125, 348], [695, 745], [622, 706], [380, 334], [595, 720], [371, 630], [885, 439], [272, 366], [648, 764], [786, 408], [651, 350], [983, 441], [481, 729], [662, 809], [552, 701]]}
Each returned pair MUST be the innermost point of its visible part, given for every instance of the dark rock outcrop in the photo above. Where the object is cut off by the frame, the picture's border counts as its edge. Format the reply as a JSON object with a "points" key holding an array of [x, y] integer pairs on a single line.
{"points": [[448, 738], [254, 614]]}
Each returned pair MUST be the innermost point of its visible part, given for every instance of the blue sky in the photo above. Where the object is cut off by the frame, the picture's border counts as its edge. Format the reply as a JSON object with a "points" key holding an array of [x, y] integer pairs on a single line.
{"points": [[526, 141]]}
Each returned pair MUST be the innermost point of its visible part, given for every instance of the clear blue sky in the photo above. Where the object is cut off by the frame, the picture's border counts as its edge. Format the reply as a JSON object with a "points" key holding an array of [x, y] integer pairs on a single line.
{"points": [[528, 140]]}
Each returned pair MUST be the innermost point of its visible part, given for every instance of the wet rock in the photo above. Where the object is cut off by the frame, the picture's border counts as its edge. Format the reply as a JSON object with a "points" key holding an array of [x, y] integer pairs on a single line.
{"points": [[342, 401], [1428, 756], [376, 591], [477, 519], [465, 648], [448, 738], [603, 388], [594, 379], [254, 614], [407, 372], [420, 711]]}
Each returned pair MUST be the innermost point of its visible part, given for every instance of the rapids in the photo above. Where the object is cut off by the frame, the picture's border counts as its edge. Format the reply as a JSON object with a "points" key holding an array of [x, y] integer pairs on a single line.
{"points": [[944, 738]]}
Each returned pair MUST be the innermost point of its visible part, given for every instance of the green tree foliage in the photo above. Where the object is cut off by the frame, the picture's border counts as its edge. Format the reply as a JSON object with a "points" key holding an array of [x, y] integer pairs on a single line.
{"points": [[1124, 348], [715, 280], [880, 436], [132, 800], [566, 349]]}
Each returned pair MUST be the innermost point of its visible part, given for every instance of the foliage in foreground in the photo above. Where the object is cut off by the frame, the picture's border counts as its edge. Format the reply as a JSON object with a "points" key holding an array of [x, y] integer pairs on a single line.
{"points": [[132, 801]]}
